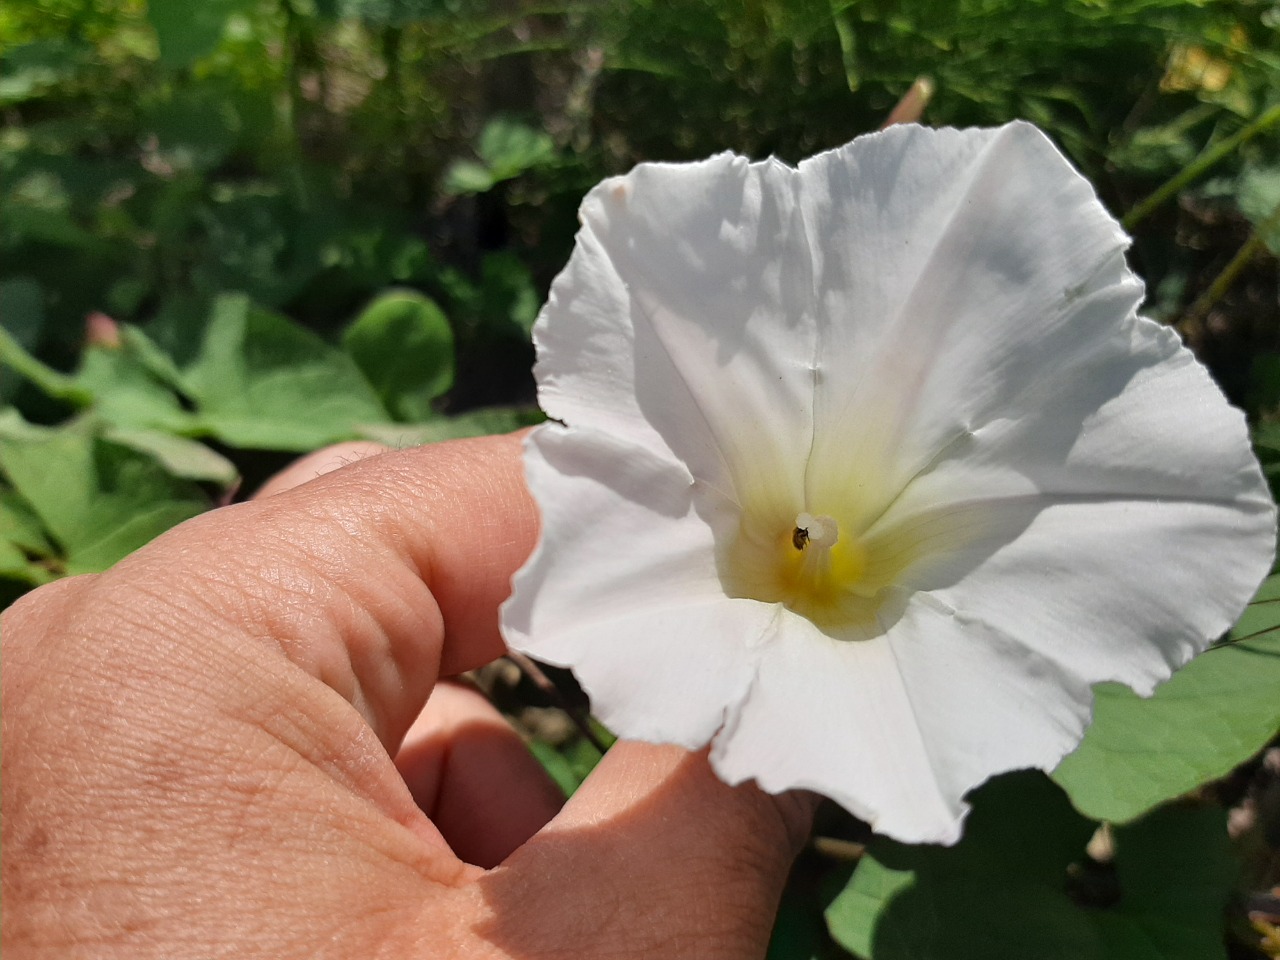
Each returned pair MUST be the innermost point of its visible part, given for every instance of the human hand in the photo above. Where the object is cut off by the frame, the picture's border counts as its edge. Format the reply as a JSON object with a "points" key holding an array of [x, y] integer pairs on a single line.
{"points": [[199, 743]]}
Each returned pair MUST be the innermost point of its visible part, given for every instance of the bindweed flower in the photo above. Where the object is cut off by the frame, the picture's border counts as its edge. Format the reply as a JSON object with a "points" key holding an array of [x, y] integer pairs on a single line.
{"points": [[868, 469]]}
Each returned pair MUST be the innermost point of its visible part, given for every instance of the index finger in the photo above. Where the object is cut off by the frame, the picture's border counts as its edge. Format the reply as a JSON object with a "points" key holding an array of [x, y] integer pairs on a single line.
{"points": [[377, 578]]}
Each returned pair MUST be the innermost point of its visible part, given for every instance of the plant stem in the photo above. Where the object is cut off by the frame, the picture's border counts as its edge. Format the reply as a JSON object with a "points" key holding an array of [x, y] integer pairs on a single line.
{"points": [[1199, 166], [580, 720], [1199, 310]]}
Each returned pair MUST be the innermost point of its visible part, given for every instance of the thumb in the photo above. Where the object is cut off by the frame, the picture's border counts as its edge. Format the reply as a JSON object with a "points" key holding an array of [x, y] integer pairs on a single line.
{"points": [[653, 856]]}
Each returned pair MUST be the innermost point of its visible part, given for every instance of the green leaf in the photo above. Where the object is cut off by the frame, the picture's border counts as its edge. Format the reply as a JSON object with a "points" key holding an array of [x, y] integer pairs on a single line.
{"points": [[852, 916], [557, 766], [151, 357], [467, 176], [508, 293], [97, 499], [263, 382], [507, 149], [124, 392], [20, 526], [999, 893], [1016, 884], [510, 148], [25, 550], [1176, 871], [188, 31], [180, 456], [404, 345], [1214, 714], [50, 382]]}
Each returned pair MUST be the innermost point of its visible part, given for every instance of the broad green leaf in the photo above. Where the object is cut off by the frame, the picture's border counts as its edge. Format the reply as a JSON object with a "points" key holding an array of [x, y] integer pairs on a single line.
{"points": [[1213, 714], [141, 524], [151, 357], [263, 382], [404, 345], [123, 391], [999, 893], [1014, 888], [180, 456], [1176, 870], [474, 423], [852, 916], [102, 500], [116, 381], [13, 562]]}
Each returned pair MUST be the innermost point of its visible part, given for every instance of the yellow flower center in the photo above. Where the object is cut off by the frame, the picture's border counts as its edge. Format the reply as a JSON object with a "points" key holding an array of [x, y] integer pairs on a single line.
{"points": [[813, 563]]}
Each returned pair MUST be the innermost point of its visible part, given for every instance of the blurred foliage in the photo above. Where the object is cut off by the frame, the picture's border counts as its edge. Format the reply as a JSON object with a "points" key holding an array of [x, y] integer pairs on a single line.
{"points": [[235, 230]]}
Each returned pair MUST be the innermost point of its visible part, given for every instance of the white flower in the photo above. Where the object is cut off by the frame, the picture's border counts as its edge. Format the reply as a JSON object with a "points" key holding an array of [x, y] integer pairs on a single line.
{"points": [[869, 469]]}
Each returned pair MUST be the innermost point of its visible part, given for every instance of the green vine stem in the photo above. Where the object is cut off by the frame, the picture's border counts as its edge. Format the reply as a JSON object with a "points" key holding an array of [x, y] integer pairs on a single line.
{"points": [[1199, 167], [1199, 310]]}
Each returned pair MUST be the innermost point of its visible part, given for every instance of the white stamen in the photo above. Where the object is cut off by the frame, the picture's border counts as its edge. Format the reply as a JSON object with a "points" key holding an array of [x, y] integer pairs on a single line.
{"points": [[820, 531]]}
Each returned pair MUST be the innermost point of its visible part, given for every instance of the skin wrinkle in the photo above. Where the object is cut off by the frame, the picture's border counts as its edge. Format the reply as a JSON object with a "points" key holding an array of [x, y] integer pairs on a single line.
{"points": [[612, 831], [221, 800]]}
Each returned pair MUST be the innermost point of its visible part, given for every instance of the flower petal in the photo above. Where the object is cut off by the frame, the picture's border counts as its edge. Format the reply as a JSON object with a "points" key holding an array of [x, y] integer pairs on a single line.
{"points": [[682, 322], [943, 302], [897, 729], [1125, 501], [929, 341], [835, 717], [623, 587]]}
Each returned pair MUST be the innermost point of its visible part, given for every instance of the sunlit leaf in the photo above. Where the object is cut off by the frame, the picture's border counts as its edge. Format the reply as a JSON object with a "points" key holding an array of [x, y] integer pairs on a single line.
{"points": [[102, 501], [467, 176], [124, 392], [180, 456], [999, 894], [507, 148], [1214, 714], [263, 382], [404, 345]]}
